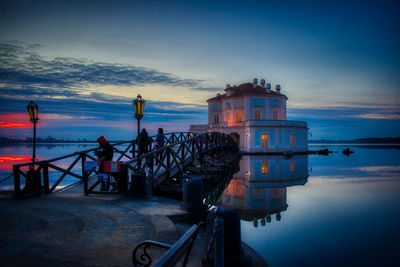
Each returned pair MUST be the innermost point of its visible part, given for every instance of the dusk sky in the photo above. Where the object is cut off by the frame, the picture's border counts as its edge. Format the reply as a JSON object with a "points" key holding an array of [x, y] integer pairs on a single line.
{"points": [[84, 62]]}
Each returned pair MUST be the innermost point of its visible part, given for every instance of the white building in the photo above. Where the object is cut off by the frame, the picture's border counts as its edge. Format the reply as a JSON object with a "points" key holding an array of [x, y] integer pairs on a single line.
{"points": [[258, 190], [255, 116]]}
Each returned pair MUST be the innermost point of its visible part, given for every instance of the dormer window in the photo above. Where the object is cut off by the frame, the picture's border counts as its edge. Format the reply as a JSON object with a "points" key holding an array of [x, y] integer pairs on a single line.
{"points": [[230, 92]]}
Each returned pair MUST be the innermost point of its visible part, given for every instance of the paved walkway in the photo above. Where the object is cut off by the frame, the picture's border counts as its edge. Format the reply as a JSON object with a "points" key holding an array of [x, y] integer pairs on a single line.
{"points": [[69, 229]]}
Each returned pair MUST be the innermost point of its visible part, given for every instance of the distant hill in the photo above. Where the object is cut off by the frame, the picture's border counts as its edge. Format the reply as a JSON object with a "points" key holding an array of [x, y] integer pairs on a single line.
{"points": [[371, 140]]}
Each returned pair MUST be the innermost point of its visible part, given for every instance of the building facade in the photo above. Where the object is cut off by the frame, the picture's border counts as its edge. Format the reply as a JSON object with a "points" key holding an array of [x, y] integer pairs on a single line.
{"points": [[255, 116], [259, 190]]}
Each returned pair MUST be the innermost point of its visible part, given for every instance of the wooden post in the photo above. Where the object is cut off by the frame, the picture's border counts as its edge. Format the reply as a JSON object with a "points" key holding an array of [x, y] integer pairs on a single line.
{"points": [[183, 154], [193, 148], [46, 187], [17, 183], [168, 162], [85, 175]]}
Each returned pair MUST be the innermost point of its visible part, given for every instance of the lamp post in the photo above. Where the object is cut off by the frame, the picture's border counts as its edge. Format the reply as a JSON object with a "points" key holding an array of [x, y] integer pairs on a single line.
{"points": [[33, 116], [138, 105]]}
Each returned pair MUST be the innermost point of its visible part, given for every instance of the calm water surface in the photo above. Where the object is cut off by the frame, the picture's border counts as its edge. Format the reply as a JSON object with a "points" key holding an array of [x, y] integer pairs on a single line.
{"points": [[311, 210], [319, 210]]}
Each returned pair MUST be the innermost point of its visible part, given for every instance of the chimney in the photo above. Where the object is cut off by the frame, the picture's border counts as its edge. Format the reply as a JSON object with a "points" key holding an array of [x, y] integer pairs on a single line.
{"points": [[268, 88], [262, 83], [255, 82], [278, 88]]}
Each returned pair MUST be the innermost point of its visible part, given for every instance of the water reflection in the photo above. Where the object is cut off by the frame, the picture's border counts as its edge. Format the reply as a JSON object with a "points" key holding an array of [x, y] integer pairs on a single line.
{"points": [[258, 189]]}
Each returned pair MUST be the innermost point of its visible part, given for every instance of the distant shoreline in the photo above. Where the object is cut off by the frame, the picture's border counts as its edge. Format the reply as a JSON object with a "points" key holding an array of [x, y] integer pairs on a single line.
{"points": [[361, 141], [50, 140]]}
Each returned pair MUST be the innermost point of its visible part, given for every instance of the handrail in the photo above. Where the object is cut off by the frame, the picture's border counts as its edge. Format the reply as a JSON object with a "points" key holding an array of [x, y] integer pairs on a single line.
{"points": [[180, 248], [94, 149], [181, 149]]}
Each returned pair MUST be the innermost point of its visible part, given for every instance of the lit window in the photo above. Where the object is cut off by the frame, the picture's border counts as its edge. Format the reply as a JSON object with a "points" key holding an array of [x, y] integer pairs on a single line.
{"points": [[239, 188], [257, 115], [264, 167], [275, 115], [292, 140], [228, 116], [292, 166], [238, 116], [264, 140]]}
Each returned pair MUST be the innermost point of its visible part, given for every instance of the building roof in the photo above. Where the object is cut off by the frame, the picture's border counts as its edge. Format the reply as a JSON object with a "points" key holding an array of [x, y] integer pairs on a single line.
{"points": [[246, 89]]}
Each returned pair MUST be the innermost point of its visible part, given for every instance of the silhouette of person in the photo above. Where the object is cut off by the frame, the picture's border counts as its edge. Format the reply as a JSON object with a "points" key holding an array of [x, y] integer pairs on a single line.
{"points": [[143, 142], [159, 143]]}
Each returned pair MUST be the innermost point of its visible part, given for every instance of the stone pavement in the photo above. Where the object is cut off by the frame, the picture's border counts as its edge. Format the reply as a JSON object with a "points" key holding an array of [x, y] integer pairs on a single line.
{"points": [[70, 229]]}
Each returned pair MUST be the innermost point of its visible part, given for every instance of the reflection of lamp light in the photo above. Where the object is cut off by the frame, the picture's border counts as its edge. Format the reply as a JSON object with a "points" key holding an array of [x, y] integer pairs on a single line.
{"points": [[247, 173], [247, 133]]}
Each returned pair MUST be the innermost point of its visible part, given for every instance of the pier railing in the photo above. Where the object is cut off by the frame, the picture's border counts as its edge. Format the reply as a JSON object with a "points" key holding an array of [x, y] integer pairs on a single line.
{"points": [[73, 165], [180, 150], [170, 160]]}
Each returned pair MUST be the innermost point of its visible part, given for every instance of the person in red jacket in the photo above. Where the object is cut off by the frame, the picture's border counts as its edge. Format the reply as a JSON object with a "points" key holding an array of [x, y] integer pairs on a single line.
{"points": [[105, 153]]}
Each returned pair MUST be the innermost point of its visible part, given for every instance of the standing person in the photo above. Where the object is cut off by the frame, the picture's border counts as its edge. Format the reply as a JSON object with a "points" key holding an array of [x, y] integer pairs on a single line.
{"points": [[105, 153], [143, 142], [159, 143]]}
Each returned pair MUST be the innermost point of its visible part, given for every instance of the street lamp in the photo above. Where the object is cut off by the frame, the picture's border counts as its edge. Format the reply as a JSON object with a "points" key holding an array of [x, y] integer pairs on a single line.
{"points": [[138, 105], [33, 116]]}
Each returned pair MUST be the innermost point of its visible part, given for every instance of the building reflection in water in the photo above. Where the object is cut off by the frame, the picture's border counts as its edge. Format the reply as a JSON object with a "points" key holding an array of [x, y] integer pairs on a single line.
{"points": [[258, 190]]}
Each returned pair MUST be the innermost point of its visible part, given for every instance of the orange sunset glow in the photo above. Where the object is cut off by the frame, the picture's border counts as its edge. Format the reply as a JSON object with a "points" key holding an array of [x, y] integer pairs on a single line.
{"points": [[18, 120]]}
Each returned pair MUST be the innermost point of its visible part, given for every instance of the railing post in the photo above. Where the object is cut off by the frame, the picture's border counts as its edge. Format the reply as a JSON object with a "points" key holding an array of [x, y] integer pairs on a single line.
{"points": [[193, 147], [168, 162], [17, 182], [183, 153], [133, 149], [45, 167], [85, 175]]}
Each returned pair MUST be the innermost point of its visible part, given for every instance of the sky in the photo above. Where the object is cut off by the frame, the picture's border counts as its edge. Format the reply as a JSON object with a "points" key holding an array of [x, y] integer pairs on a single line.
{"points": [[83, 62]]}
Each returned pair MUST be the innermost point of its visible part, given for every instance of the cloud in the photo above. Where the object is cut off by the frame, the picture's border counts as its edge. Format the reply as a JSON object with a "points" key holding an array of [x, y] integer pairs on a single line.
{"points": [[335, 113], [208, 89], [24, 72], [377, 116]]}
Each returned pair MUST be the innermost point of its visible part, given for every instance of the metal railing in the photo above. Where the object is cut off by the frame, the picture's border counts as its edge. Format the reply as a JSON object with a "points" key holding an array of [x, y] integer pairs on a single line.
{"points": [[180, 149]]}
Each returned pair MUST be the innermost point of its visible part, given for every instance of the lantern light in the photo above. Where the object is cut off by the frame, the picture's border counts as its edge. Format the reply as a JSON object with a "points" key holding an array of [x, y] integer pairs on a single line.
{"points": [[33, 111], [138, 105]]}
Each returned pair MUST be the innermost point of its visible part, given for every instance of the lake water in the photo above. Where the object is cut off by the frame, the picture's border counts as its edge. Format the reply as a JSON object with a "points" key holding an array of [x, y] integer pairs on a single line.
{"points": [[316, 210], [313, 210]]}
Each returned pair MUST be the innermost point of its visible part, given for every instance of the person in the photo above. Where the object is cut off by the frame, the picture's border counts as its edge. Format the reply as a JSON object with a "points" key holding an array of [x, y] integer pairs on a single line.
{"points": [[159, 143], [105, 153], [143, 142]]}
